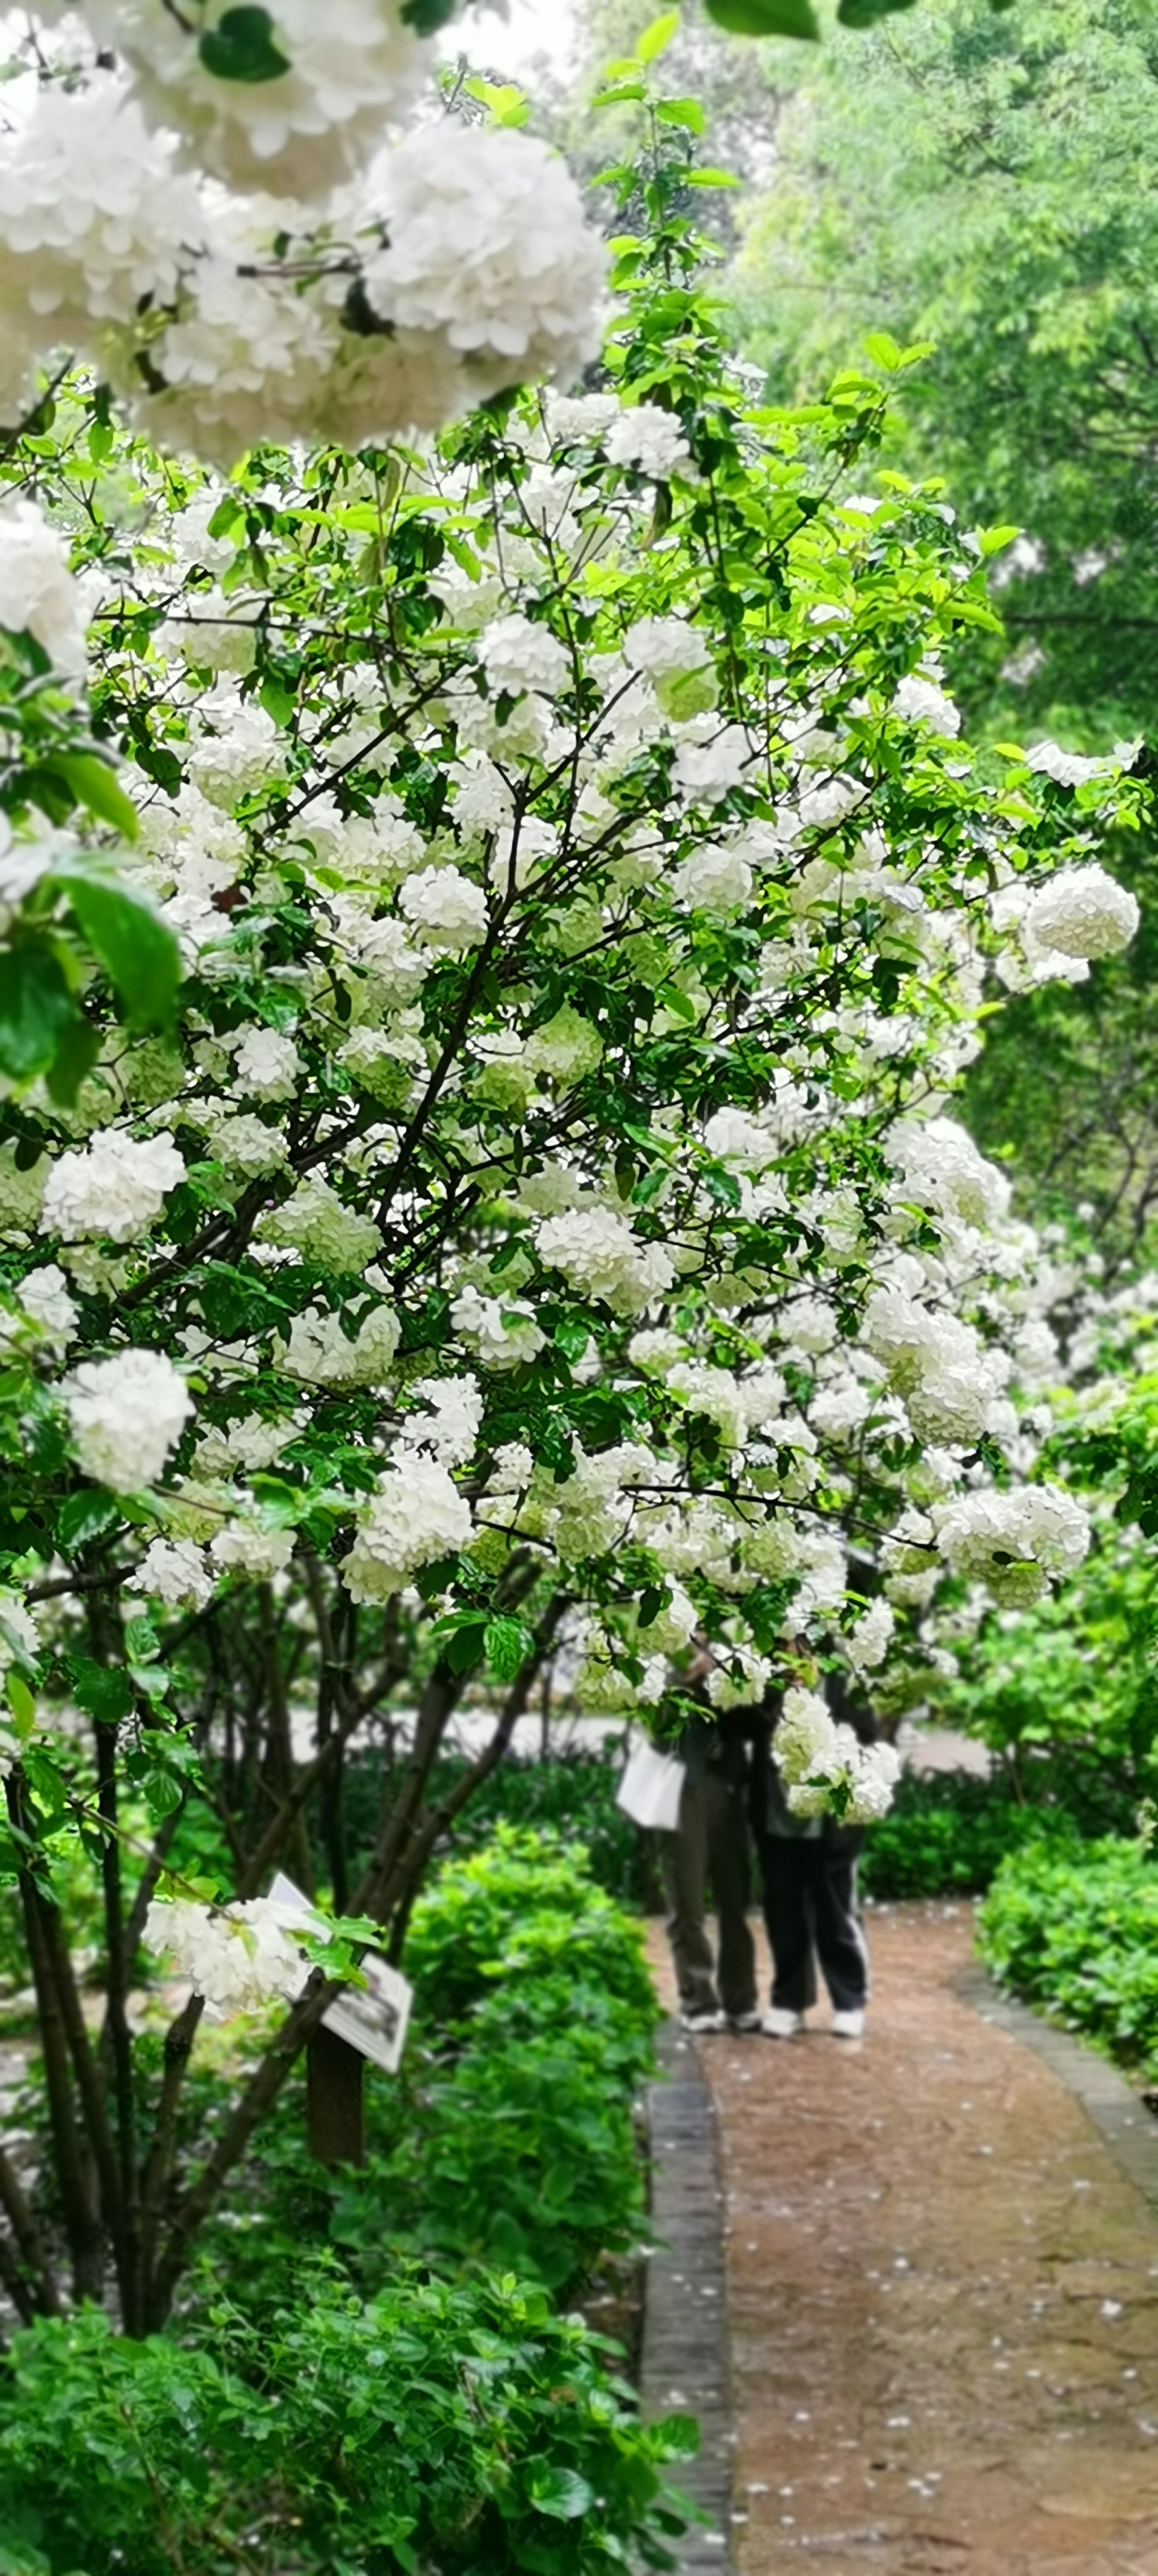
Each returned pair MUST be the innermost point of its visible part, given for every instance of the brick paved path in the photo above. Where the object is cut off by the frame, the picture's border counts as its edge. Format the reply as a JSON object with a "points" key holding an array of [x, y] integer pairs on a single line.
{"points": [[942, 2292]]}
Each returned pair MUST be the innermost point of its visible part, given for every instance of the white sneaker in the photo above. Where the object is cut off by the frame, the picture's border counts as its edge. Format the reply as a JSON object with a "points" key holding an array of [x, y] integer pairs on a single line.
{"points": [[780, 2024], [702, 2020], [745, 2021], [847, 2025]]}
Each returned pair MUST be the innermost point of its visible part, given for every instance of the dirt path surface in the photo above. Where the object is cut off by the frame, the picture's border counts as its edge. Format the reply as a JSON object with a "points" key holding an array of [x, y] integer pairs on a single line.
{"points": [[942, 2293]]}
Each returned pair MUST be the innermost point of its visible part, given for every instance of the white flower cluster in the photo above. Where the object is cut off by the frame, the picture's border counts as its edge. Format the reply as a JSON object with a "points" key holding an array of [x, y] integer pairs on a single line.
{"points": [[600, 1256], [126, 1415], [457, 263], [1014, 1541], [416, 1517], [950, 1383], [240, 1957], [823, 1767], [1082, 912], [114, 1187], [38, 595]]}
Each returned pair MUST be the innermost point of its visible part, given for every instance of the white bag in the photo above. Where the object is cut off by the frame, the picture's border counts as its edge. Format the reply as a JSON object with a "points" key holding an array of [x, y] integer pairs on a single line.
{"points": [[649, 1791]]}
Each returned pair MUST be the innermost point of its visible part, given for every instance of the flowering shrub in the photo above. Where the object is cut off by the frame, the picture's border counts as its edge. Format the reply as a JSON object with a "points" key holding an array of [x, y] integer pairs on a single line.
{"points": [[537, 1225]]}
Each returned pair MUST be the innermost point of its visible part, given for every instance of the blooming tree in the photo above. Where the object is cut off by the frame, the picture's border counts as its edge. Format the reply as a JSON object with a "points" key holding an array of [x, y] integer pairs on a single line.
{"points": [[540, 1204]]}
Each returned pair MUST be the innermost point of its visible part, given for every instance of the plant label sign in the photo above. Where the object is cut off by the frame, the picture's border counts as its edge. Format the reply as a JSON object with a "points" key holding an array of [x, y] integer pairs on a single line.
{"points": [[372, 2018], [649, 1791]]}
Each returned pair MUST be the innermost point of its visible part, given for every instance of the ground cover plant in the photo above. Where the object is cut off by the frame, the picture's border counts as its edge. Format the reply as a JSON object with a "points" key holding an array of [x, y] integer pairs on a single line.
{"points": [[1075, 1932]]}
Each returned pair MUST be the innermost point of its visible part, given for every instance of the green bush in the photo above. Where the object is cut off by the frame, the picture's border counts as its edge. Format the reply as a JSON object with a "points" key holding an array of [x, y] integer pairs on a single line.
{"points": [[949, 1831], [1076, 1932], [523, 1910], [443, 2426]]}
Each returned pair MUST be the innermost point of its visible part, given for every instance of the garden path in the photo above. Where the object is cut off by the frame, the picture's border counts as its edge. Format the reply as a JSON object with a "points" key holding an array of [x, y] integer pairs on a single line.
{"points": [[942, 2289]]}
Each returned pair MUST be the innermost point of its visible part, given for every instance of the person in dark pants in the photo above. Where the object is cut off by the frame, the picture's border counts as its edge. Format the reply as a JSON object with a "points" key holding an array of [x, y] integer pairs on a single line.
{"points": [[808, 1873], [711, 1842]]}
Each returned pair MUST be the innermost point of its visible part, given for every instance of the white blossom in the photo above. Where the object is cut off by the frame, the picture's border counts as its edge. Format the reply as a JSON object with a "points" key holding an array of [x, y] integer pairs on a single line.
{"points": [[416, 1517], [500, 1331], [650, 438], [248, 1547], [920, 701], [1014, 1541], [174, 1572], [240, 1957], [321, 1352], [519, 653], [114, 1186], [445, 909], [1083, 913], [38, 595], [268, 1065], [601, 1257], [126, 1416], [318, 1224]]}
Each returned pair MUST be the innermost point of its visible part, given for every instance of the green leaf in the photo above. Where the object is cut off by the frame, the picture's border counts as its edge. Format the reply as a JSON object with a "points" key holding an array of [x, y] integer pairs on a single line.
{"points": [[94, 784], [83, 1517], [508, 1642], [75, 1056], [137, 951], [279, 702], [681, 111], [36, 1008], [766, 17], [865, 13], [560, 2492], [241, 47], [712, 179], [102, 1690], [20, 1699], [427, 16], [656, 38]]}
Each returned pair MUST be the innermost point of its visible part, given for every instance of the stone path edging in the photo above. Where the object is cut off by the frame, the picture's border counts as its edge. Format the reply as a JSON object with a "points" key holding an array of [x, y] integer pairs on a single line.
{"points": [[1127, 2128], [684, 2366]]}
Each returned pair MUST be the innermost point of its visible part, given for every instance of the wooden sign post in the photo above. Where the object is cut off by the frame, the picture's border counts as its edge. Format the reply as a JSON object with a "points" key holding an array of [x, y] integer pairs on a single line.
{"points": [[335, 2119], [368, 2021]]}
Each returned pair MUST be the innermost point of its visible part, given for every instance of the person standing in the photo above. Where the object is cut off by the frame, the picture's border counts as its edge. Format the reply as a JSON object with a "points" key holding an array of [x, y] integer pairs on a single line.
{"points": [[710, 1843], [808, 1876]]}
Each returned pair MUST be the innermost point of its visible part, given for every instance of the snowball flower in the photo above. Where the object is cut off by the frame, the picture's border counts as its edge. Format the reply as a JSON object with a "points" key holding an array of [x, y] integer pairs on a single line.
{"points": [[245, 1547], [126, 1415], [1082, 913], [445, 909], [519, 654], [1067, 768], [566, 1048], [321, 1352], [416, 1517], [1012, 1542], [705, 772], [239, 1957], [457, 1406], [650, 438], [600, 1256], [484, 245], [715, 879], [44, 1295], [500, 1331], [267, 1065], [922, 702], [115, 1187], [677, 659], [872, 1781], [316, 1223], [869, 1641], [347, 71], [37, 592], [174, 1572], [805, 1738]]}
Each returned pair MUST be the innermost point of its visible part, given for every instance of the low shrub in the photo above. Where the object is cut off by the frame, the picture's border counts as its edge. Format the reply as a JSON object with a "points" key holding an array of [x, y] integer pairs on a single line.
{"points": [[948, 1832], [521, 1911], [451, 2427], [1076, 1932]]}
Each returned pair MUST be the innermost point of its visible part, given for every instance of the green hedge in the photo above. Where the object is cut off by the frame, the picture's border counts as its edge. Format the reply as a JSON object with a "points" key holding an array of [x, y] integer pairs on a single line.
{"points": [[1076, 1933]]}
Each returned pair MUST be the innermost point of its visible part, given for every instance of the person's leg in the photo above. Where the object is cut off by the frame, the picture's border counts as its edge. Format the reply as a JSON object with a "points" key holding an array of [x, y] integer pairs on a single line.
{"points": [[840, 1942], [785, 1876], [683, 1861], [727, 1837]]}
